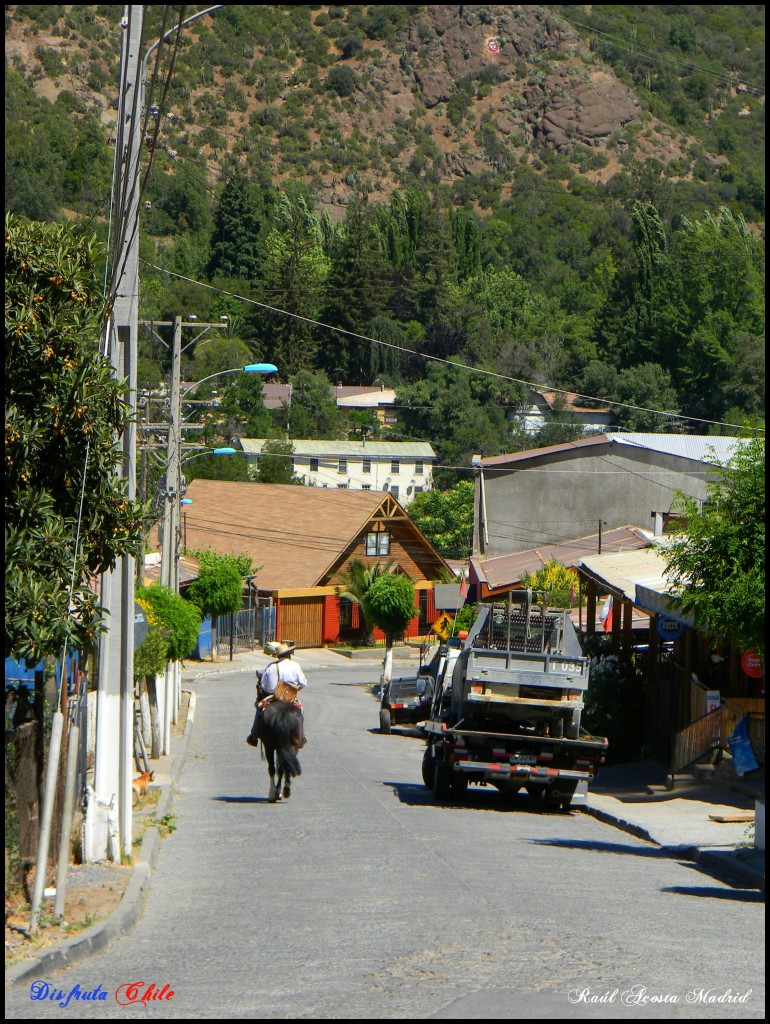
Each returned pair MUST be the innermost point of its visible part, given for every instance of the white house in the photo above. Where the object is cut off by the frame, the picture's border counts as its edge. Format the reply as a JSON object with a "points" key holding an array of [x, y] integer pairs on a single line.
{"points": [[403, 468], [540, 407]]}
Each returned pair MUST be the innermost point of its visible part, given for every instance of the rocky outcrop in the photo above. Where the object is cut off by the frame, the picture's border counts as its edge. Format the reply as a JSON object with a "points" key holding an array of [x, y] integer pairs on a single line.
{"points": [[519, 50]]}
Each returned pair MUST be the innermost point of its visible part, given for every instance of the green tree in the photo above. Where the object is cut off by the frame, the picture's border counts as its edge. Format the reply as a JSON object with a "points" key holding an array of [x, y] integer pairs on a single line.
{"points": [[275, 464], [218, 590], [242, 407], [389, 604], [241, 219], [558, 582], [294, 271], [446, 518], [358, 580], [720, 263], [717, 564], [179, 619], [461, 413], [358, 287], [67, 517], [645, 386], [215, 354], [313, 412]]}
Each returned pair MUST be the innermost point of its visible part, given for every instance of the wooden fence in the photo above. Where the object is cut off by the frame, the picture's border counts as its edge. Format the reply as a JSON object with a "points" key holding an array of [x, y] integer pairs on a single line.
{"points": [[710, 730]]}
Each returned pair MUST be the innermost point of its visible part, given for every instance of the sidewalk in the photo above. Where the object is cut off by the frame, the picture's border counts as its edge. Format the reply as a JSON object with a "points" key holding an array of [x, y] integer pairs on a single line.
{"points": [[630, 797], [634, 798]]}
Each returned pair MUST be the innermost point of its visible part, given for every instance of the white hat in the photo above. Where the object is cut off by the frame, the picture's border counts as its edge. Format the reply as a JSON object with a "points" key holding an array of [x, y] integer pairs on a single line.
{"points": [[282, 650]]}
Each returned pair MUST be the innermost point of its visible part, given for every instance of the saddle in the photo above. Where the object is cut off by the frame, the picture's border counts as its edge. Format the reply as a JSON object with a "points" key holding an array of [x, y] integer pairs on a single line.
{"points": [[287, 695]]}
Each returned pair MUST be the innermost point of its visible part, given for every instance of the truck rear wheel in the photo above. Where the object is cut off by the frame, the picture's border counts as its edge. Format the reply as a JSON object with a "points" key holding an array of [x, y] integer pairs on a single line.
{"points": [[428, 766], [442, 781], [384, 720]]}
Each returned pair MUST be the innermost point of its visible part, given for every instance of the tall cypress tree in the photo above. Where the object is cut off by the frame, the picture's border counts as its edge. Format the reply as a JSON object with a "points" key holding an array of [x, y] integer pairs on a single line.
{"points": [[357, 290], [240, 221], [294, 273]]}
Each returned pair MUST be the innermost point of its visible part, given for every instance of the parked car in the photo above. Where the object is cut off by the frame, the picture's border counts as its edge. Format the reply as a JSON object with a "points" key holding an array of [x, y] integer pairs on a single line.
{"points": [[406, 701]]}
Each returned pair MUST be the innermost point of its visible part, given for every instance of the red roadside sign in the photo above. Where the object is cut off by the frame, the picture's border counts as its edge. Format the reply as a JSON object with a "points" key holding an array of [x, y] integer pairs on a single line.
{"points": [[752, 665]]}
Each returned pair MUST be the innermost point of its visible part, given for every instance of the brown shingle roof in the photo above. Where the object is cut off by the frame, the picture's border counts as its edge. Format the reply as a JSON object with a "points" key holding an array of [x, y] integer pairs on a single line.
{"points": [[507, 570], [294, 533]]}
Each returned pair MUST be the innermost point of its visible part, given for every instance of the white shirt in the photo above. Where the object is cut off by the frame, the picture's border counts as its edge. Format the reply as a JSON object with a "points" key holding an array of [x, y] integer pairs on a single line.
{"points": [[285, 671]]}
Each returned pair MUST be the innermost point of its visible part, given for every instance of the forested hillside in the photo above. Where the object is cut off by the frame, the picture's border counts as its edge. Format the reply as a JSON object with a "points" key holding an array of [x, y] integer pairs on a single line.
{"points": [[566, 196]]}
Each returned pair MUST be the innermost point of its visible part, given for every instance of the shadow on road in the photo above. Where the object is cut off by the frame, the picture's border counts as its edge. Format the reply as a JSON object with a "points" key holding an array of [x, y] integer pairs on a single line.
{"points": [[711, 892], [599, 846], [398, 730], [241, 799], [476, 798]]}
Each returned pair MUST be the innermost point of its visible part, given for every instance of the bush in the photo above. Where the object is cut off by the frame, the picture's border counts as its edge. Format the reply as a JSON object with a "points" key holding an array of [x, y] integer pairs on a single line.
{"points": [[342, 80], [178, 621], [219, 587]]}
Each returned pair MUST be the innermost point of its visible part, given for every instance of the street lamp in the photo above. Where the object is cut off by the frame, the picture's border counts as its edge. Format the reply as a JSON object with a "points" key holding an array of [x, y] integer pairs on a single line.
{"points": [[263, 368]]}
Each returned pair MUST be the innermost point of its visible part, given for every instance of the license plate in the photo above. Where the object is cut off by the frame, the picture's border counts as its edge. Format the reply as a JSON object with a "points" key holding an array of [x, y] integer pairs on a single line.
{"points": [[523, 759]]}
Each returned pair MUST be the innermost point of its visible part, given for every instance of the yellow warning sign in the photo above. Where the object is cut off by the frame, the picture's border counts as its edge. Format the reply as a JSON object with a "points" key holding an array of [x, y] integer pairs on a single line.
{"points": [[443, 626]]}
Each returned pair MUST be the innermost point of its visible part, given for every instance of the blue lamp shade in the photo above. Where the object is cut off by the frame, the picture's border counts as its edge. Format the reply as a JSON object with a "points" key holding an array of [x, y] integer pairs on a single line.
{"points": [[186, 501], [260, 368], [223, 451]]}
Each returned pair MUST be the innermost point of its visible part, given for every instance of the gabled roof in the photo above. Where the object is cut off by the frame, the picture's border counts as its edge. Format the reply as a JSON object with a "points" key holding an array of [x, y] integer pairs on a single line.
{"points": [[494, 461], [297, 535], [696, 447], [573, 402], [507, 570]]}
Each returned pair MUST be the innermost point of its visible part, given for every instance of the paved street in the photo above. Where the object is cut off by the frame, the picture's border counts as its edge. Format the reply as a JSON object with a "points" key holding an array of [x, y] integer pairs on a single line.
{"points": [[359, 897]]}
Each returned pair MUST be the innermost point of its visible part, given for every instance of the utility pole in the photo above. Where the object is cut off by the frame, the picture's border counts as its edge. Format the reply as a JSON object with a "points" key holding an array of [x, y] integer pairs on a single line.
{"points": [[168, 562], [172, 493], [108, 827]]}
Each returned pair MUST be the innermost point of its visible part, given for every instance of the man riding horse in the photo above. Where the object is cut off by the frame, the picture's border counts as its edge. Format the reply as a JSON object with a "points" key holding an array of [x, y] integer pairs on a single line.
{"points": [[284, 670]]}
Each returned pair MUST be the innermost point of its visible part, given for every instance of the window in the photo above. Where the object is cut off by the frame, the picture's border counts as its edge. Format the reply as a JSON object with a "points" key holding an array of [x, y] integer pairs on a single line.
{"points": [[366, 487], [418, 468], [314, 465], [394, 491], [342, 487], [343, 466], [394, 466], [419, 490], [367, 466], [378, 543]]}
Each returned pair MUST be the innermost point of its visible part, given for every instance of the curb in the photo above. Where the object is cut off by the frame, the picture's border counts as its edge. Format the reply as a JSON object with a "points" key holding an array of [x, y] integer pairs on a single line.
{"points": [[121, 921], [723, 864]]}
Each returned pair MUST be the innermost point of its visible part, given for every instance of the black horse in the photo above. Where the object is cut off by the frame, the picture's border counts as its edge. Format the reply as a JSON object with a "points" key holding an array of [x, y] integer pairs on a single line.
{"points": [[280, 731]]}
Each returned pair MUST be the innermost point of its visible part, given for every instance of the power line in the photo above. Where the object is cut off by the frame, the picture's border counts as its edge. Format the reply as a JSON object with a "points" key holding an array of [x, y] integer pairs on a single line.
{"points": [[659, 57], [439, 359]]}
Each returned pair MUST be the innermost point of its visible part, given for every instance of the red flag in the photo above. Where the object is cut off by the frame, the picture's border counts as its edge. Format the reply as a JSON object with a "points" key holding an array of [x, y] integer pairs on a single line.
{"points": [[606, 614], [463, 586]]}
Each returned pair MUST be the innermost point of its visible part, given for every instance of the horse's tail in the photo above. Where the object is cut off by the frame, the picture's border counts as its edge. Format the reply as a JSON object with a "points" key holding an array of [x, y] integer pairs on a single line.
{"points": [[288, 760], [285, 727]]}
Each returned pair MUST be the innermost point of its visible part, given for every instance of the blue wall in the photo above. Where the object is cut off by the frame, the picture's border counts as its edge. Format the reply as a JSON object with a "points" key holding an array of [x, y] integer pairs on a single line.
{"points": [[203, 650]]}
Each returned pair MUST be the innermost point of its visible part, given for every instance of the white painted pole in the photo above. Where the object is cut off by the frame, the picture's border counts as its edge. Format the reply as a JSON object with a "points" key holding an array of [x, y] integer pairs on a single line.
{"points": [[45, 819], [66, 824]]}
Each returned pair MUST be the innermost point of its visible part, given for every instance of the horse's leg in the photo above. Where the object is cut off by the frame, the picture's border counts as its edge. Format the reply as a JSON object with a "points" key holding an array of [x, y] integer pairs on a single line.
{"points": [[273, 794]]}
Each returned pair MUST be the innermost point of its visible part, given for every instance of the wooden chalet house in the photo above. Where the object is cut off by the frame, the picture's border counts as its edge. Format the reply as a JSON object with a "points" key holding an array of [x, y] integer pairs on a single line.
{"points": [[301, 539]]}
